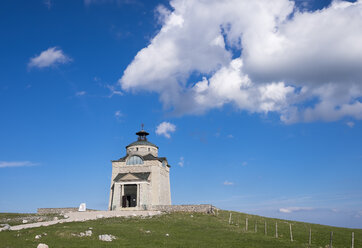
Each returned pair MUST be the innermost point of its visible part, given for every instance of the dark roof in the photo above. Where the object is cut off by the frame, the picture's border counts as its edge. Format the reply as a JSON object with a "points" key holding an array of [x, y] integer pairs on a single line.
{"points": [[142, 133], [146, 157], [143, 176], [141, 142]]}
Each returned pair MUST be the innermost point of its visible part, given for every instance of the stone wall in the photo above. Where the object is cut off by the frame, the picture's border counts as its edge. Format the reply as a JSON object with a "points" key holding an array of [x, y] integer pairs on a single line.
{"points": [[58, 210], [202, 208]]}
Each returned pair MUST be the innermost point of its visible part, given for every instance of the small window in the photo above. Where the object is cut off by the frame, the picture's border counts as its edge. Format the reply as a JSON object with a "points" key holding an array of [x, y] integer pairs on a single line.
{"points": [[137, 149], [134, 160], [164, 163], [149, 149]]}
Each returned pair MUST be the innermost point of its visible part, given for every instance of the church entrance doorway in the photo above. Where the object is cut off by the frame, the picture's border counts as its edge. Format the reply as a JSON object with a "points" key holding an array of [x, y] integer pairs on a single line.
{"points": [[129, 198]]}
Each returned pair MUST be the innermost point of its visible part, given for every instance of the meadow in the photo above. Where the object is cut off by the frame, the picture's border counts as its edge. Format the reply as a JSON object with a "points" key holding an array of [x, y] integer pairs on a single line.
{"points": [[183, 230]]}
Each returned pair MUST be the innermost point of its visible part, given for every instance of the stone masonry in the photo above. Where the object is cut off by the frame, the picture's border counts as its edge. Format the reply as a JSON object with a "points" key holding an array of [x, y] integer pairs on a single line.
{"points": [[141, 179]]}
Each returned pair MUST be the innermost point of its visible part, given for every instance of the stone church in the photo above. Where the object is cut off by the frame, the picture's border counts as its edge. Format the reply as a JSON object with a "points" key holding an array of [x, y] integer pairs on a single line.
{"points": [[140, 180]]}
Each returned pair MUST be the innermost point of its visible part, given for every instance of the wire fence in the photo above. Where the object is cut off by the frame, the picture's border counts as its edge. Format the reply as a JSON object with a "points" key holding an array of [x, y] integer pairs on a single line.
{"points": [[310, 235]]}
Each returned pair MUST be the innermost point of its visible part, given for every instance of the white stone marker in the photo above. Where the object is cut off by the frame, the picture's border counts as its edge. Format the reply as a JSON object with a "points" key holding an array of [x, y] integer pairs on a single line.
{"points": [[82, 207], [42, 246]]}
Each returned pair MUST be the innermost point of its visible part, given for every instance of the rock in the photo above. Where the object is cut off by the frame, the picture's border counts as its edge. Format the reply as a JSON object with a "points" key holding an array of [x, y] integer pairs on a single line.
{"points": [[134, 215], [66, 216], [38, 236], [55, 218], [167, 234], [192, 216], [90, 228], [99, 216], [25, 221], [148, 231], [42, 246], [87, 233], [45, 234], [6, 227], [106, 237]]}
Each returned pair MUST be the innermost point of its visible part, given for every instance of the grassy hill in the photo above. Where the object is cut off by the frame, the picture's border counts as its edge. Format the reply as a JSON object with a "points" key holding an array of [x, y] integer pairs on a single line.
{"points": [[184, 230]]}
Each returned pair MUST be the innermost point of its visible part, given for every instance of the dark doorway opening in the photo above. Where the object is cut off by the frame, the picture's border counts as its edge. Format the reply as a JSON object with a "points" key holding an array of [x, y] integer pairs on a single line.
{"points": [[129, 198]]}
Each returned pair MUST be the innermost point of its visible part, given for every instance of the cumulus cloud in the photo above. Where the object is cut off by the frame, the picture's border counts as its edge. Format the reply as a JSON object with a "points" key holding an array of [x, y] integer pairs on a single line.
{"points": [[4, 164], [228, 183], [80, 93], [118, 115], [260, 56], [119, 2], [50, 57], [165, 129], [114, 91], [350, 124], [294, 209], [48, 3], [181, 163]]}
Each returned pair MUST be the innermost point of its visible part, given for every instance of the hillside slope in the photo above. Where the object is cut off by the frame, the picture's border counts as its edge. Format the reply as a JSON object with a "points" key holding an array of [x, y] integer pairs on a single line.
{"points": [[184, 230]]}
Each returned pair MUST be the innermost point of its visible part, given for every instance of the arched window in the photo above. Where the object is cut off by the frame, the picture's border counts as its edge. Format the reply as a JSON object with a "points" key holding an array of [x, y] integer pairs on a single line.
{"points": [[134, 160]]}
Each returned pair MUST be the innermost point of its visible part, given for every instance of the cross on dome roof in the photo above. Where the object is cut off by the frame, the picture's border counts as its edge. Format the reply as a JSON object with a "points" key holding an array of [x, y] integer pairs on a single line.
{"points": [[142, 135], [142, 139]]}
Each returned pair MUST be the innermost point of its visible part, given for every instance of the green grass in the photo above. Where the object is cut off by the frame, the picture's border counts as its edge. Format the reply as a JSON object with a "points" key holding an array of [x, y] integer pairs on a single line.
{"points": [[201, 230]]}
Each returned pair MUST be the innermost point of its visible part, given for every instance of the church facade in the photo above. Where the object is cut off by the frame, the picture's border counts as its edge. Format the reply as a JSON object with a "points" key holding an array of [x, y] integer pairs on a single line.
{"points": [[141, 179]]}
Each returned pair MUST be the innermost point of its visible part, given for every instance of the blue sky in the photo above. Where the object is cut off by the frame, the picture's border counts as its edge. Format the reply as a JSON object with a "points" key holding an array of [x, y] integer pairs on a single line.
{"points": [[268, 126]]}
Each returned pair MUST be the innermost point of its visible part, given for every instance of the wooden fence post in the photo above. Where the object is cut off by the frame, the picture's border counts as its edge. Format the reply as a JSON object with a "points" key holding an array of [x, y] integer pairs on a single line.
{"points": [[331, 241], [256, 226], [265, 229], [352, 240], [230, 219], [291, 232], [276, 229], [246, 224], [310, 236]]}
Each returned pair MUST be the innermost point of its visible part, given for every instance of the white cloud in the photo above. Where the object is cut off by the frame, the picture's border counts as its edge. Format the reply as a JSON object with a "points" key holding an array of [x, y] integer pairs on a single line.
{"points": [[358, 214], [350, 124], [80, 93], [165, 129], [181, 162], [48, 3], [294, 209], [228, 183], [50, 57], [4, 164], [118, 114], [119, 2], [113, 90], [305, 67]]}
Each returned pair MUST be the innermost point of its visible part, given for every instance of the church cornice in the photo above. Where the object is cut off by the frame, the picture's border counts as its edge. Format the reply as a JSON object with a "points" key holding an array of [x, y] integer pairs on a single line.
{"points": [[148, 157]]}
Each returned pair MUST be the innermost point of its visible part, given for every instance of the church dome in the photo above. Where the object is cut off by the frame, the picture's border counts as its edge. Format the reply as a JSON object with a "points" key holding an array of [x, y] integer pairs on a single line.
{"points": [[142, 146], [141, 143]]}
